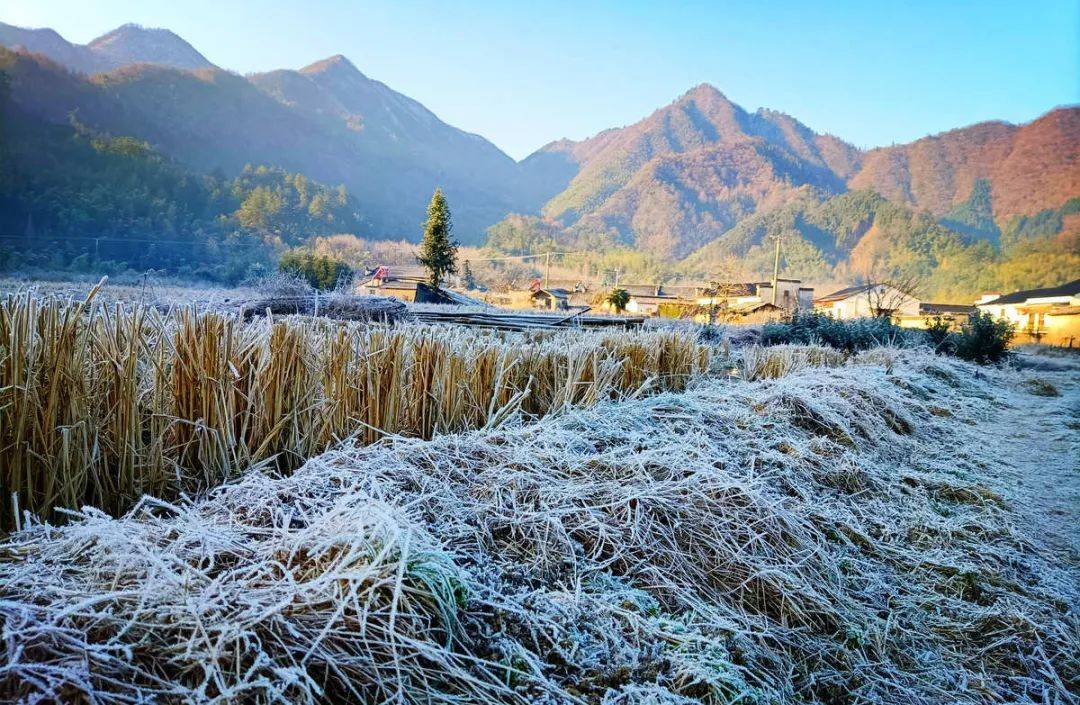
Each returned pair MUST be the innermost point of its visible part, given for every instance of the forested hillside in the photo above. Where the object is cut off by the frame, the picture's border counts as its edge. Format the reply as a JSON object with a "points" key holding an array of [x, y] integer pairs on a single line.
{"points": [[704, 188], [860, 233], [328, 121], [80, 200], [1028, 168]]}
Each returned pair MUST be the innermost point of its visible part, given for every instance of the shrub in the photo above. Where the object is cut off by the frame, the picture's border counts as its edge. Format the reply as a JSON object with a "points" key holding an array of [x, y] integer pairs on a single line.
{"points": [[982, 339], [282, 285], [939, 332], [323, 272], [618, 298], [816, 328]]}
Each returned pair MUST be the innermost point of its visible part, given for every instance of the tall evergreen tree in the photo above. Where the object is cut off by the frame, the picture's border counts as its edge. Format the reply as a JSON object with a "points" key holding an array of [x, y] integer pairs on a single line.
{"points": [[437, 251], [467, 277]]}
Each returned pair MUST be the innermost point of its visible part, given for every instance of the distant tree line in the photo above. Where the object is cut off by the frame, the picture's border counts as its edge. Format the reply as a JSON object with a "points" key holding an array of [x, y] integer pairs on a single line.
{"points": [[837, 239]]}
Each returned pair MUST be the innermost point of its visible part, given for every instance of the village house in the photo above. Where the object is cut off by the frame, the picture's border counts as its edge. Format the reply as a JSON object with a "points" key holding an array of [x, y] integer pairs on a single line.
{"points": [[554, 294], [409, 283], [885, 300], [869, 300], [1049, 315], [709, 302], [753, 301], [790, 295], [663, 306], [578, 291], [550, 299], [659, 300], [653, 300], [697, 301]]}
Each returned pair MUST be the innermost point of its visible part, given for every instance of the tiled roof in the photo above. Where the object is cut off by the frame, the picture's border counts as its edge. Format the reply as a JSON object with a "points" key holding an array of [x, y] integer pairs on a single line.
{"points": [[639, 289], [1018, 297], [845, 293], [407, 271], [557, 293]]}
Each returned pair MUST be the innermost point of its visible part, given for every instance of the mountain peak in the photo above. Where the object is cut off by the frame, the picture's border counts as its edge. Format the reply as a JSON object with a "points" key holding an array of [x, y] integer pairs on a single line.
{"points": [[336, 63], [133, 44], [14, 31], [126, 29], [706, 92]]}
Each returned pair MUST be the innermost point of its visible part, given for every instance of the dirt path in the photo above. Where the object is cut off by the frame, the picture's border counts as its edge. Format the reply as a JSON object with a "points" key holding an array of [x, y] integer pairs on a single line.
{"points": [[1039, 440]]}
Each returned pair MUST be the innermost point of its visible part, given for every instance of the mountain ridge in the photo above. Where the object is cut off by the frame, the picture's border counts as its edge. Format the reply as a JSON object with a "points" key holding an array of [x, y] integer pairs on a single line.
{"points": [[126, 45], [1029, 167], [671, 184], [392, 156], [996, 150]]}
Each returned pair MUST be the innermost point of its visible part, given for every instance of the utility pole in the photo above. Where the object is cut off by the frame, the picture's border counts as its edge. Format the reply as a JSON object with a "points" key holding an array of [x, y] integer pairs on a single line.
{"points": [[776, 271], [547, 269]]}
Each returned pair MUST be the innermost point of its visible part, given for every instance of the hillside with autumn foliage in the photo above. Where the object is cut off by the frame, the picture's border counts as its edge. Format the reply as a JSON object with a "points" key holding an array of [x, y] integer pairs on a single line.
{"points": [[1029, 167], [703, 187]]}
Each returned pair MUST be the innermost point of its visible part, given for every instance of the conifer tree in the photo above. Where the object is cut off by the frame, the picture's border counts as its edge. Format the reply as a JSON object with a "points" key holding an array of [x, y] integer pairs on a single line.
{"points": [[467, 277], [438, 253]]}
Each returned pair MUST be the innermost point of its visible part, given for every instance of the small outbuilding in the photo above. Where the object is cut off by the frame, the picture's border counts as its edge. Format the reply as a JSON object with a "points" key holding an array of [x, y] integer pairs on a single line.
{"points": [[553, 299]]}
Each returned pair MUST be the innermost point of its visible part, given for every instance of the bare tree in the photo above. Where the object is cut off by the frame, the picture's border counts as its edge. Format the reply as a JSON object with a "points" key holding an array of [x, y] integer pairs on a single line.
{"points": [[888, 290]]}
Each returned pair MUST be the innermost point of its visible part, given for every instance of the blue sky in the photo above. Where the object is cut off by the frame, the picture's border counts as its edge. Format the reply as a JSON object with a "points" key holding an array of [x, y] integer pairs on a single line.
{"points": [[522, 74]]}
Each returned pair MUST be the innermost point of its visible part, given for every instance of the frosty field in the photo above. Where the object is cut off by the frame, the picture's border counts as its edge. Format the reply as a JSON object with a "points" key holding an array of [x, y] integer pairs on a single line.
{"points": [[811, 528]]}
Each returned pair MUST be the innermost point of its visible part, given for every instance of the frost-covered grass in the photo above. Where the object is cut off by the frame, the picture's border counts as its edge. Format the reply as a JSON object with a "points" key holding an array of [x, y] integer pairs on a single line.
{"points": [[833, 535], [760, 362], [100, 404]]}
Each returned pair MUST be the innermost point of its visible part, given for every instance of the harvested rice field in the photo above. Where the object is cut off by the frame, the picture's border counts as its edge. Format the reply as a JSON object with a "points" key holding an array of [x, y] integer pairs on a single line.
{"points": [[630, 518], [100, 405]]}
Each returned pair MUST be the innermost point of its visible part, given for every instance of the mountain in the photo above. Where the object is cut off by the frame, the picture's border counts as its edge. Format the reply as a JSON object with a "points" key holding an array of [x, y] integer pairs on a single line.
{"points": [[409, 146], [72, 198], [327, 121], [687, 173], [1028, 167], [691, 186], [691, 170], [123, 46], [710, 185], [132, 44]]}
